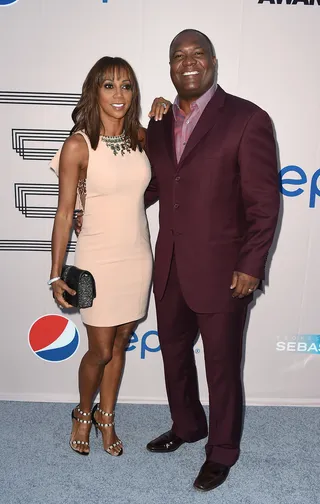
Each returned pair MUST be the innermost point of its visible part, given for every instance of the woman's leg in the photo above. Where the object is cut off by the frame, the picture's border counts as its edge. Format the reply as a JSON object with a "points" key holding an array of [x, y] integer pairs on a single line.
{"points": [[99, 354], [110, 383]]}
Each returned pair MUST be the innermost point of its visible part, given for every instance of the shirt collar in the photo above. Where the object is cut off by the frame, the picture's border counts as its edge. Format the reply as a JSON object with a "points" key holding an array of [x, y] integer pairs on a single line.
{"points": [[200, 103]]}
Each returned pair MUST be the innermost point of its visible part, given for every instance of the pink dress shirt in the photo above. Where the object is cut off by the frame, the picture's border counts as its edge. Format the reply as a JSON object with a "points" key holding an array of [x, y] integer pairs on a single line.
{"points": [[185, 124]]}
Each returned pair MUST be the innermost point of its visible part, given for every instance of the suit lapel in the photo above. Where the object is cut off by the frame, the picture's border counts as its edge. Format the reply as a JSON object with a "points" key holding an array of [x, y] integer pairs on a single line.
{"points": [[206, 122], [169, 136]]}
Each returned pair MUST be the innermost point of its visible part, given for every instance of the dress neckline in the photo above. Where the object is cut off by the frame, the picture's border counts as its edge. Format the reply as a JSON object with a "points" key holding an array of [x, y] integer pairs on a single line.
{"points": [[114, 137]]}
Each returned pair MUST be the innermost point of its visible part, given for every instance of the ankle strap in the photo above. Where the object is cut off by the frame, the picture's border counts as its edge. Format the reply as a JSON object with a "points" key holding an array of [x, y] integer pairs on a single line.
{"points": [[104, 424], [82, 412], [82, 421], [104, 412]]}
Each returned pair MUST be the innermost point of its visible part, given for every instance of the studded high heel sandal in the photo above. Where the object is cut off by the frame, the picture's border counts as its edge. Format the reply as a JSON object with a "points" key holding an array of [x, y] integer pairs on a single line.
{"points": [[76, 443], [99, 426]]}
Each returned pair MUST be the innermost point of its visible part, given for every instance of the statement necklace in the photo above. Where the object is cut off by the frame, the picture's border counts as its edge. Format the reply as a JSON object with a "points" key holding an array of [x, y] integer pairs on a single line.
{"points": [[118, 144]]}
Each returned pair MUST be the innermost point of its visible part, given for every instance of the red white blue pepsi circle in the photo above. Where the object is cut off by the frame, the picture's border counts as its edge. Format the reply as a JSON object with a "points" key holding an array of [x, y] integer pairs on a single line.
{"points": [[7, 2], [54, 338]]}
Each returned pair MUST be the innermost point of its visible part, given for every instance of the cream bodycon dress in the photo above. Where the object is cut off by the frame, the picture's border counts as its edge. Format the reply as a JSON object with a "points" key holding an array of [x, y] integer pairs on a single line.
{"points": [[114, 243]]}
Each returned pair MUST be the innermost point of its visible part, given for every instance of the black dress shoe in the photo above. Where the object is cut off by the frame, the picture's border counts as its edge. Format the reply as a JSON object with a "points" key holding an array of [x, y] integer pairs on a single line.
{"points": [[167, 442], [211, 475]]}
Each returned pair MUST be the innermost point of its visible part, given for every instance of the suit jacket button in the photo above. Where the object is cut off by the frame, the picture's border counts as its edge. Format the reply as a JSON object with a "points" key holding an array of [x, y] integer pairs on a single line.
{"points": [[176, 205], [177, 179]]}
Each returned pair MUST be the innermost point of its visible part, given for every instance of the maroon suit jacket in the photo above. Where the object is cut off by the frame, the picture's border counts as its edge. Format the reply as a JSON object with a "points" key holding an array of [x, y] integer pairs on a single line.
{"points": [[219, 205]]}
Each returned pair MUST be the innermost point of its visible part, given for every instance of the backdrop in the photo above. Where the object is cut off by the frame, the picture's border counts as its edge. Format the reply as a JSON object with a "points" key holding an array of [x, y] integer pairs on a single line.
{"points": [[268, 52]]}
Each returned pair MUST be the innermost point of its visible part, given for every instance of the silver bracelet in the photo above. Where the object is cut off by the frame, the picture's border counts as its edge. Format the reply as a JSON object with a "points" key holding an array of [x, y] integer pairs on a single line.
{"points": [[49, 282]]}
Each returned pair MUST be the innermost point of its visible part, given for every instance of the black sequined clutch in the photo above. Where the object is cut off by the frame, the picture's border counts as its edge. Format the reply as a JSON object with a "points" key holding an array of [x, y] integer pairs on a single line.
{"points": [[82, 282]]}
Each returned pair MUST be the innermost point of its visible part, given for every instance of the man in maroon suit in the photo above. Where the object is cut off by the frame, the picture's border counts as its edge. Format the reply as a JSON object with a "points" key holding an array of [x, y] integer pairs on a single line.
{"points": [[215, 174]]}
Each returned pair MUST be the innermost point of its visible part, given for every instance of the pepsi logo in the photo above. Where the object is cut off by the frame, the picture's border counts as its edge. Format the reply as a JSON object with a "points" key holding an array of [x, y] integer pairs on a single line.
{"points": [[7, 2], [53, 338]]}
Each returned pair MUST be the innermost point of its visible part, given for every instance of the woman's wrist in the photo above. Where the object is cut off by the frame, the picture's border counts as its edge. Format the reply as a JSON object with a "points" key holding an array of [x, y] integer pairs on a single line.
{"points": [[55, 272]]}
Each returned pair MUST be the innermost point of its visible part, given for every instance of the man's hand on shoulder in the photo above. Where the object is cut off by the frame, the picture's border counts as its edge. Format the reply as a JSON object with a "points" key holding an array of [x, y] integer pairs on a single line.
{"points": [[243, 284], [160, 106]]}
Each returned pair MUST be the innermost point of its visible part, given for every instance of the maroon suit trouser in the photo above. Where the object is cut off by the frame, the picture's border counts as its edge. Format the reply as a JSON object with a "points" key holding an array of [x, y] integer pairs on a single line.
{"points": [[178, 326]]}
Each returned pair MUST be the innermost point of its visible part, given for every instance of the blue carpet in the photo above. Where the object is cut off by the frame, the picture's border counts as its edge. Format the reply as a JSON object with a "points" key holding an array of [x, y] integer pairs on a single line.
{"points": [[279, 464]]}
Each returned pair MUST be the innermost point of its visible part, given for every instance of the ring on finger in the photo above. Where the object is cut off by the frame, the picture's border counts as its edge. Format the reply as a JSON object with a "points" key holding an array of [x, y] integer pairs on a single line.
{"points": [[163, 104], [250, 290]]}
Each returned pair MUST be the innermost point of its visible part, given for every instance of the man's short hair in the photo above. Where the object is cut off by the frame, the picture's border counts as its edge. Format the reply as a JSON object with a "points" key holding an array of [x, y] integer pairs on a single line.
{"points": [[210, 44]]}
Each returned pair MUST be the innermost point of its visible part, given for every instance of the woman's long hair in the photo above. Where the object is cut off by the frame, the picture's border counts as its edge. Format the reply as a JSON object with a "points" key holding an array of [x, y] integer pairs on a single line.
{"points": [[86, 115]]}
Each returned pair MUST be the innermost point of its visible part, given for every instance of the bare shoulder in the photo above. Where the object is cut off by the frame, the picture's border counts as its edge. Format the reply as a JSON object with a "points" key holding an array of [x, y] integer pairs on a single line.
{"points": [[75, 148], [74, 144]]}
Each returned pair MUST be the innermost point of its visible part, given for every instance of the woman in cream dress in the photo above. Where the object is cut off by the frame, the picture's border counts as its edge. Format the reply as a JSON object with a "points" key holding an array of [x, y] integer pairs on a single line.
{"points": [[103, 161]]}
